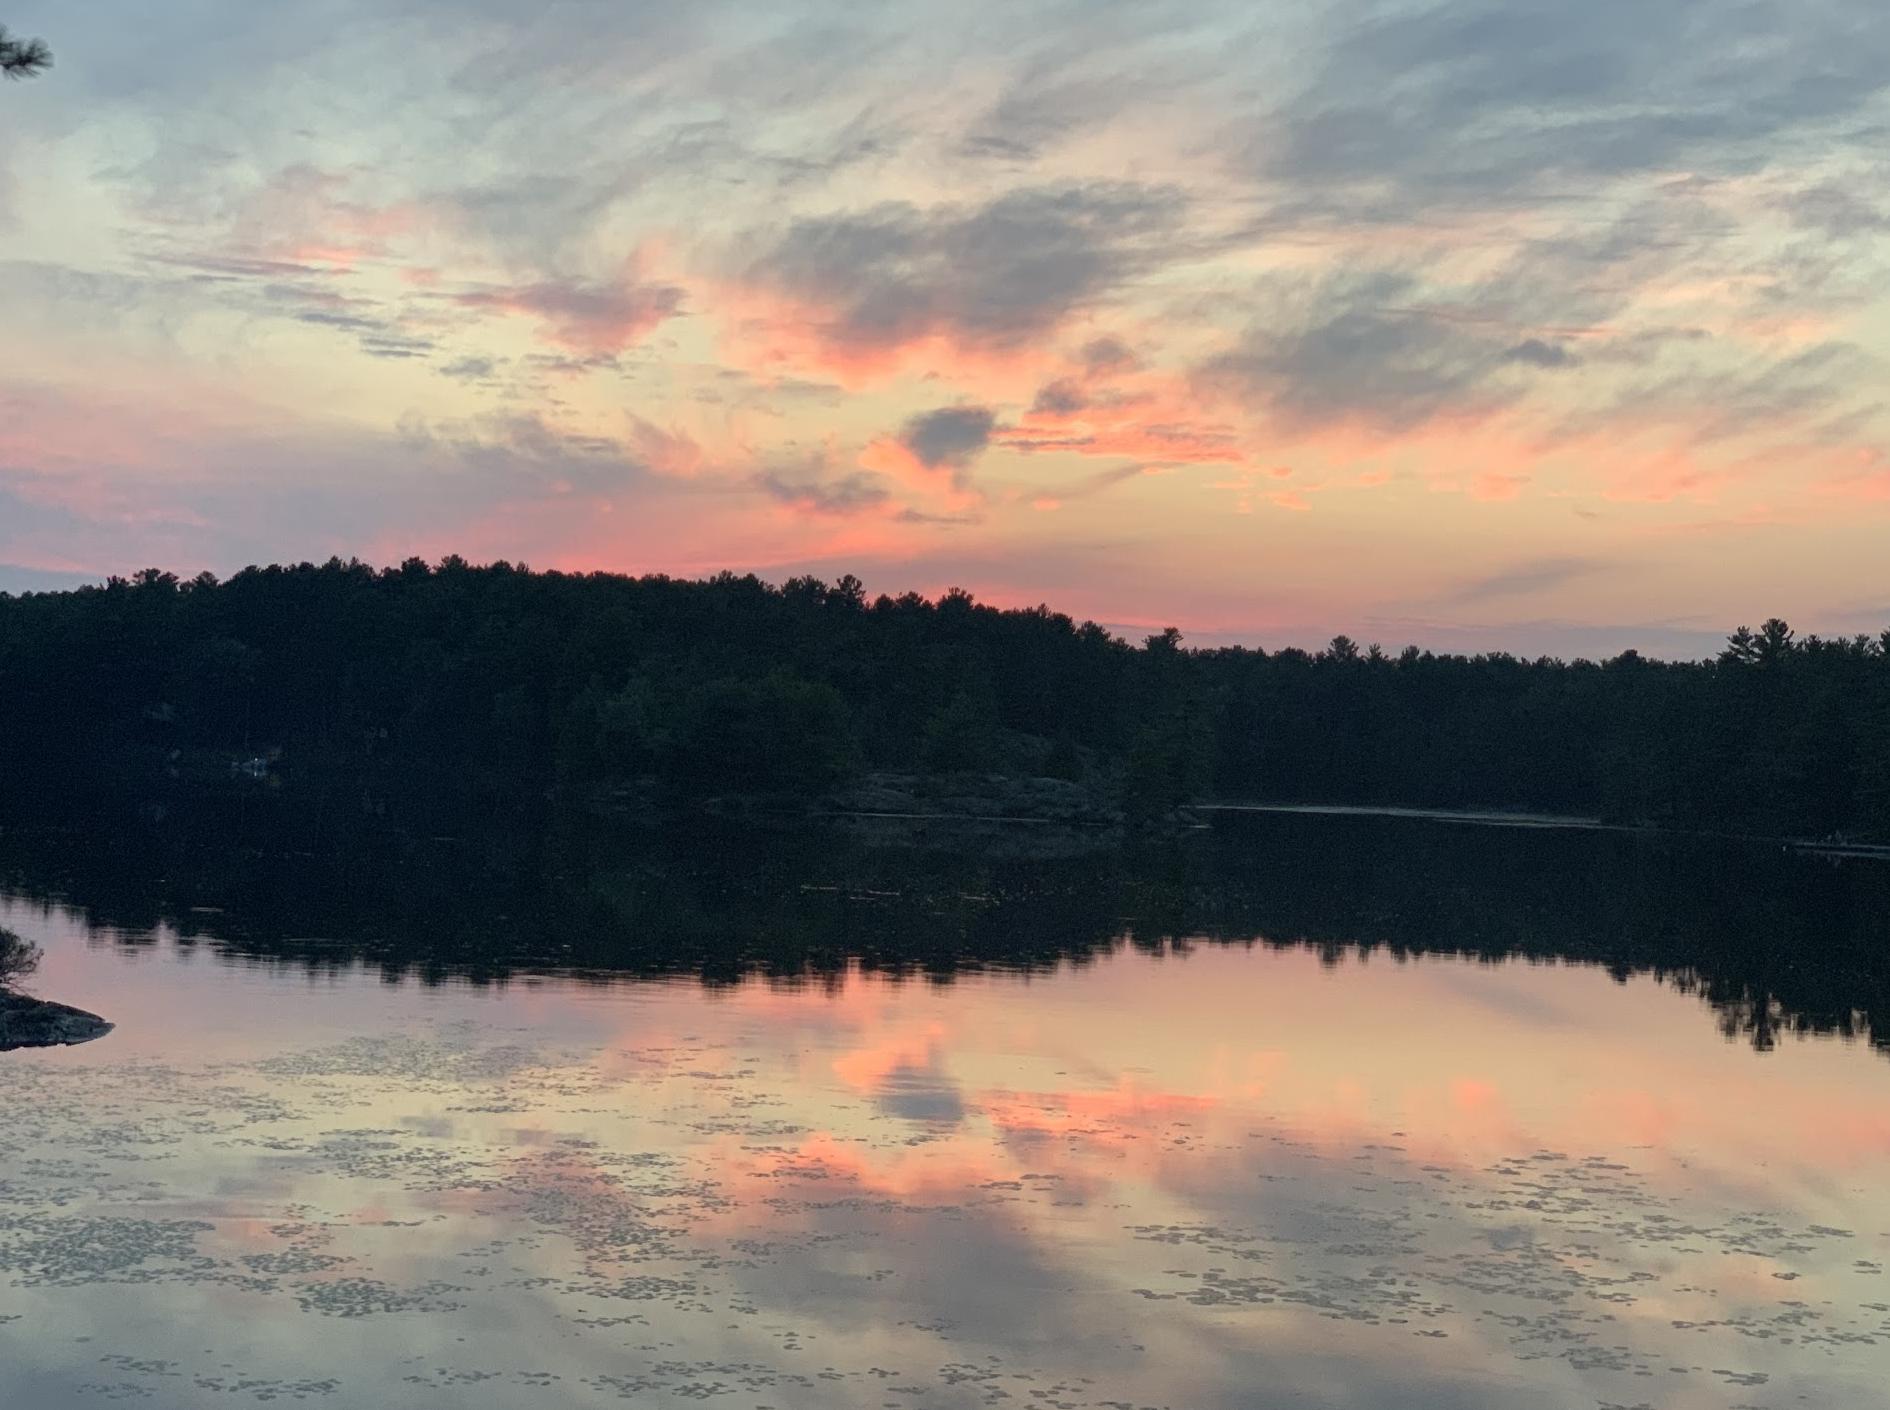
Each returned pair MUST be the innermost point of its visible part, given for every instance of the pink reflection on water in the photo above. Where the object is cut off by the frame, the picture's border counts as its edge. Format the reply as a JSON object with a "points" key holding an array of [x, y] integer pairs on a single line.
{"points": [[1137, 1179]]}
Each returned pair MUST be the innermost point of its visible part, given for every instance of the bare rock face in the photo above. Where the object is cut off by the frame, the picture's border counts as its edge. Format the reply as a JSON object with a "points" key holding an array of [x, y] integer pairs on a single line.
{"points": [[36, 1023]]}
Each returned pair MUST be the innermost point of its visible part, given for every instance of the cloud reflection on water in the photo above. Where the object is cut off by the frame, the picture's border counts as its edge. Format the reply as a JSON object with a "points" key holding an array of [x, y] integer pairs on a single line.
{"points": [[1239, 1179]]}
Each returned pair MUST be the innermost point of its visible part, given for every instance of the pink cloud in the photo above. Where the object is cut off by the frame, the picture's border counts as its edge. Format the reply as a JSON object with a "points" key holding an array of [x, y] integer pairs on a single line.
{"points": [[667, 452], [1494, 487]]}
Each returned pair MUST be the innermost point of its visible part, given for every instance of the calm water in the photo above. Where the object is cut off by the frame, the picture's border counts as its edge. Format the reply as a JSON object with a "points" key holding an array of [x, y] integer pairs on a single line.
{"points": [[1263, 1119]]}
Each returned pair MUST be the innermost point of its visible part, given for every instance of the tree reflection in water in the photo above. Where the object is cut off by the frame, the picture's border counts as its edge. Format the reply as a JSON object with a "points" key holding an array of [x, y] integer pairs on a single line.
{"points": [[437, 887]]}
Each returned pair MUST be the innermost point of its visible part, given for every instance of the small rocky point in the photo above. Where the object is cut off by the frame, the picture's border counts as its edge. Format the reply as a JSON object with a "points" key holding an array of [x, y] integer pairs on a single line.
{"points": [[36, 1023]]}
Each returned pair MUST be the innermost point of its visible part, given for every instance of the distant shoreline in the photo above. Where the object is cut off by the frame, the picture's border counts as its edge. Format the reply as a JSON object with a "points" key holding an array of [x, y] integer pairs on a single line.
{"points": [[1488, 816], [1496, 817]]}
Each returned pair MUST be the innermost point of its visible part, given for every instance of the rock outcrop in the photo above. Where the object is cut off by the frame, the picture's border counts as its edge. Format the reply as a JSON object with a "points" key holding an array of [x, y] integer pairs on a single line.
{"points": [[36, 1023]]}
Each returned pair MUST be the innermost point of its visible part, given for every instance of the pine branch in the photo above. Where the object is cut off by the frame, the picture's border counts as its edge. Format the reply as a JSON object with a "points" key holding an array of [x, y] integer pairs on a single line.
{"points": [[23, 58]]}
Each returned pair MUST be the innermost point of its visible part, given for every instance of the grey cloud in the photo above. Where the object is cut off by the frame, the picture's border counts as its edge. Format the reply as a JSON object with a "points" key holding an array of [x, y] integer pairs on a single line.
{"points": [[153, 304], [1109, 354], [951, 436], [1060, 398], [1485, 98], [237, 266], [1396, 346], [394, 346], [1835, 212], [1536, 353], [1646, 346], [1038, 108], [997, 145], [849, 494], [1068, 67], [1825, 392], [377, 337], [538, 211], [354, 322], [571, 365], [1358, 353], [254, 286], [997, 274], [311, 295], [545, 206], [470, 369], [574, 39], [597, 319]]}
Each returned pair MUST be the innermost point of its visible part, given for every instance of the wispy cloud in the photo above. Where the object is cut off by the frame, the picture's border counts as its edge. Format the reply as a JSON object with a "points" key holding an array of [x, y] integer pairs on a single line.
{"points": [[1525, 579]]}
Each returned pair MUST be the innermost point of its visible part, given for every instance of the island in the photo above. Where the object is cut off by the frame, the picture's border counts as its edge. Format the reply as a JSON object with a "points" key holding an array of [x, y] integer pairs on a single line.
{"points": [[27, 1022]]}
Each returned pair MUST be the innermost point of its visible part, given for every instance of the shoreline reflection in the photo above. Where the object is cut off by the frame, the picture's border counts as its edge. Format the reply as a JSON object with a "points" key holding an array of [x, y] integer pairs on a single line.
{"points": [[902, 1128]]}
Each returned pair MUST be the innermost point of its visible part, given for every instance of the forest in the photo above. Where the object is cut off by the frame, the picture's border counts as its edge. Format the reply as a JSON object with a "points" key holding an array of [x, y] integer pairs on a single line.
{"points": [[585, 684]]}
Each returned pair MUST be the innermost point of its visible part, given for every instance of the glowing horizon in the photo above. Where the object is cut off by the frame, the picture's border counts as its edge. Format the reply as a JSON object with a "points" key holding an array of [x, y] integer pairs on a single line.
{"points": [[1541, 326]]}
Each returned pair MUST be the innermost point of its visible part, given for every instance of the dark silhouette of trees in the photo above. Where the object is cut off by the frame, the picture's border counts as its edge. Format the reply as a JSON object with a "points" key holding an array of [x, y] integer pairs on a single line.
{"points": [[779, 734], [23, 58], [962, 735], [733, 685]]}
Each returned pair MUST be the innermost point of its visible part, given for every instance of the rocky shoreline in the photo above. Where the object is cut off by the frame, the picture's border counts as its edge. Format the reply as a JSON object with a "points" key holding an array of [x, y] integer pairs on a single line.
{"points": [[38, 1023], [978, 797]]}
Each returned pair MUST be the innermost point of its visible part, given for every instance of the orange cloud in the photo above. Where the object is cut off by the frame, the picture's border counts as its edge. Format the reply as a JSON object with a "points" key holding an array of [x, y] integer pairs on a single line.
{"points": [[1494, 487], [892, 458]]}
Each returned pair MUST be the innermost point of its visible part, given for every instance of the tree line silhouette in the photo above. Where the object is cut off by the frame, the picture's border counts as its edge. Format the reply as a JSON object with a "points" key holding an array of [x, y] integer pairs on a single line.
{"points": [[588, 682]]}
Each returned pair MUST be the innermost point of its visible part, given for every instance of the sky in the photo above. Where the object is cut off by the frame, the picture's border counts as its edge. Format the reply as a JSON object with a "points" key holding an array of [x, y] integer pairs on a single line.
{"points": [[1538, 325]]}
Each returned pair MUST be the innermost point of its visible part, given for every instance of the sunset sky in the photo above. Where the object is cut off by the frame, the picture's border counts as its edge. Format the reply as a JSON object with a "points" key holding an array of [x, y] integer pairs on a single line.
{"points": [[1548, 325]]}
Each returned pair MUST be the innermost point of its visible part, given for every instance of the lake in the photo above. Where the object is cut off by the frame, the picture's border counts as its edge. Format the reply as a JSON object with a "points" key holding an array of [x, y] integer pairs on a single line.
{"points": [[1292, 1112]]}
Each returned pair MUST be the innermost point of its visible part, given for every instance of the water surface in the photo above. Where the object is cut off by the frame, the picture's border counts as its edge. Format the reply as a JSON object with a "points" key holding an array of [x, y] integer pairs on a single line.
{"points": [[1319, 1112]]}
